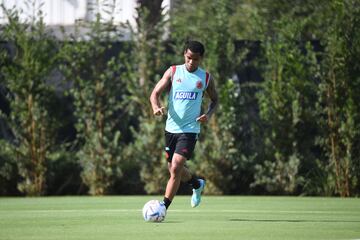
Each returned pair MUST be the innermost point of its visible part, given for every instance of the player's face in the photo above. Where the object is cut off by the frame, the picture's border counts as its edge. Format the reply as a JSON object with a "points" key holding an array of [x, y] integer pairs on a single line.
{"points": [[192, 60]]}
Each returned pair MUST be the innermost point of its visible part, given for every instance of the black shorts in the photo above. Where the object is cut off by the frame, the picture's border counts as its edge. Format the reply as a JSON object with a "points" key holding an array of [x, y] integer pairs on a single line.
{"points": [[180, 143]]}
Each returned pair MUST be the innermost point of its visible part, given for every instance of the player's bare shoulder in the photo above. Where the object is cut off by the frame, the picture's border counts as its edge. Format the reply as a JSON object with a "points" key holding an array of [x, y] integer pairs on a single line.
{"points": [[163, 83]]}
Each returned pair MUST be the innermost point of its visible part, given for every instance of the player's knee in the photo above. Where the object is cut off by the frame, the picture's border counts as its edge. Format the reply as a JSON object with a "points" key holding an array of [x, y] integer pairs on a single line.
{"points": [[177, 165], [175, 170]]}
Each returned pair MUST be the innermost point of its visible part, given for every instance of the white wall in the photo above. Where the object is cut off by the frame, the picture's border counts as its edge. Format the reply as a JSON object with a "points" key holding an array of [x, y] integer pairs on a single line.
{"points": [[55, 12], [66, 12]]}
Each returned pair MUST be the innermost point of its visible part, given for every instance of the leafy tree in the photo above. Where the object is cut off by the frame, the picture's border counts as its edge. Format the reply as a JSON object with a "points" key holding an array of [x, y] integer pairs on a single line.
{"points": [[97, 92], [147, 62], [287, 107], [218, 154], [32, 116], [338, 102]]}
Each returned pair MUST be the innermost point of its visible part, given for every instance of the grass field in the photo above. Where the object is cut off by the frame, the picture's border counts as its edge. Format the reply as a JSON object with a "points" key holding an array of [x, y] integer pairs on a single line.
{"points": [[219, 218]]}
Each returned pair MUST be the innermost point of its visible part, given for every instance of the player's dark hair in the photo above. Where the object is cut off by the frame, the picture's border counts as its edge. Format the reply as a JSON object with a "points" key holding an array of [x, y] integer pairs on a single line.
{"points": [[195, 47]]}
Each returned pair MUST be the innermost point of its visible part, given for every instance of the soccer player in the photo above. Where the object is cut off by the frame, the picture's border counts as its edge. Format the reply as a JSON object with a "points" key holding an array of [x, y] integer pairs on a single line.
{"points": [[186, 84]]}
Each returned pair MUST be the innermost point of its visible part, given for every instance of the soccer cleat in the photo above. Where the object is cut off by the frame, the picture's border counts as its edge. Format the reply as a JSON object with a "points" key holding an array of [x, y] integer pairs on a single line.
{"points": [[196, 196]]}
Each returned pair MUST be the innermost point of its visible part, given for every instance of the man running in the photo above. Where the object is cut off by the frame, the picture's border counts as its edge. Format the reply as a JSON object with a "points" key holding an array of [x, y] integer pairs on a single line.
{"points": [[187, 84]]}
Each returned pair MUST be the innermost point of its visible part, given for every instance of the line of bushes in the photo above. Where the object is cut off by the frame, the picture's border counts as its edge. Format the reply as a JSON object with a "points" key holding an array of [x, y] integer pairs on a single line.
{"points": [[75, 117]]}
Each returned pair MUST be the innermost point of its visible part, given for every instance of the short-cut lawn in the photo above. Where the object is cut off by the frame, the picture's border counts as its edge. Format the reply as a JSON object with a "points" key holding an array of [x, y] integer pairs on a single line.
{"points": [[217, 218]]}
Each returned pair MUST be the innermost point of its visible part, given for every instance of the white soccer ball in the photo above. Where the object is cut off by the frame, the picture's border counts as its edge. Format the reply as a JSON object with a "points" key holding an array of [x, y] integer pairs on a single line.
{"points": [[154, 211]]}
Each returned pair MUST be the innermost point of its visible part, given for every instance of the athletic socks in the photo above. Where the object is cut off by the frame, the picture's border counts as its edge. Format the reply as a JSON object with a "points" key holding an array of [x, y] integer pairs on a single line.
{"points": [[167, 202], [194, 182]]}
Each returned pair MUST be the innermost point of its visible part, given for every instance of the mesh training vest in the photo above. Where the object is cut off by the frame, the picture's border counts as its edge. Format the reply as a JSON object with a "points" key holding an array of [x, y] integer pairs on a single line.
{"points": [[185, 97]]}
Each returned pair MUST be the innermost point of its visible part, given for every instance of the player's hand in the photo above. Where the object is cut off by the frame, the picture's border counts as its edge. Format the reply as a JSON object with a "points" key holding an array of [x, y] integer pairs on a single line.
{"points": [[159, 111], [203, 118]]}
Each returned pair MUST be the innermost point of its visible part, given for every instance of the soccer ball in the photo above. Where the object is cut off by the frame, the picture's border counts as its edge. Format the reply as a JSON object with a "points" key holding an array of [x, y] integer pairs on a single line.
{"points": [[154, 211]]}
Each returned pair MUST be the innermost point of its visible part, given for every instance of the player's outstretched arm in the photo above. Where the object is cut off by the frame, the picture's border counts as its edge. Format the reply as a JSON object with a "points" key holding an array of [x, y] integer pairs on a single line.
{"points": [[212, 93], [164, 83]]}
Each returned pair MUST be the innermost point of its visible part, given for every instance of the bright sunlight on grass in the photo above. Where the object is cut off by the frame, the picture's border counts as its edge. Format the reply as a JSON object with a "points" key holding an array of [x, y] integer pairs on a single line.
{"points": [[217, 218]]}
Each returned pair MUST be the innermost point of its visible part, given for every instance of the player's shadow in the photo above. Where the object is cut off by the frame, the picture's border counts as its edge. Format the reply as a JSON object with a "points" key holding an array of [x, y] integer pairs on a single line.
{"points": [[292, 220], [166, 222]]}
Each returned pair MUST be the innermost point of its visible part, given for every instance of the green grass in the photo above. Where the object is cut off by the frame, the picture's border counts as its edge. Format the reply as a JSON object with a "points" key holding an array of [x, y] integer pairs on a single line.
{"points": [[217, 218]]}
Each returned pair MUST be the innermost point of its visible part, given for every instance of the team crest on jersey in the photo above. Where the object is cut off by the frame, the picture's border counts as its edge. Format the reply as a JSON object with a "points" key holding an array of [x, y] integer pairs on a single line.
{"points": [[199, 84], [178, 80], [181, 95]]}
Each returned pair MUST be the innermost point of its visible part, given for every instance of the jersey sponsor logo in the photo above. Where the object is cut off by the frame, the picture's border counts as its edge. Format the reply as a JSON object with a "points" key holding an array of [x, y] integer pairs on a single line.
{"points": [[185, 95]]}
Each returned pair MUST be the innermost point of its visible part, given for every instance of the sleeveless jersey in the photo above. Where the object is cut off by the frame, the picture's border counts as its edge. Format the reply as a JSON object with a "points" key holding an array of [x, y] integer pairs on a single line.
{"points": [[185, 97]]}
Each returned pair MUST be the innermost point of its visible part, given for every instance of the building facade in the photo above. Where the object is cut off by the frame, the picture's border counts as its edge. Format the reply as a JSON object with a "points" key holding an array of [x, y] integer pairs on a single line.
{"points": [[67, 12]]}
